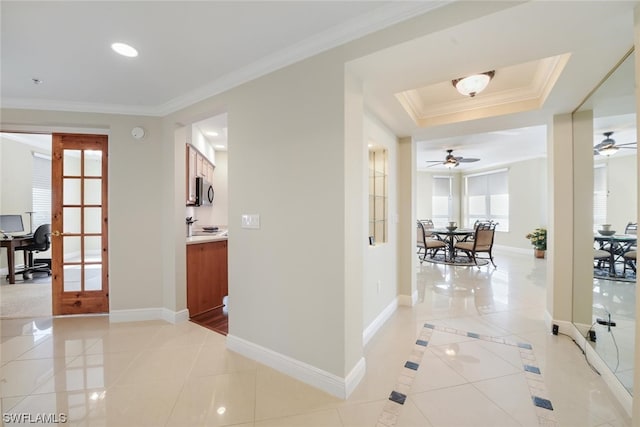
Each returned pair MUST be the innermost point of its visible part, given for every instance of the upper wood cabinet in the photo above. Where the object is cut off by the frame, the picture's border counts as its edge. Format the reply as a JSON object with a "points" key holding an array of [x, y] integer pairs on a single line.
{"points": [[192, 155], [197, 166]]}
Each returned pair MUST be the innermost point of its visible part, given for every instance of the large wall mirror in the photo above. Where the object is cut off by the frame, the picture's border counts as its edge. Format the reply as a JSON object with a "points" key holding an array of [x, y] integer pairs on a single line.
{"points": [[612, 298]]}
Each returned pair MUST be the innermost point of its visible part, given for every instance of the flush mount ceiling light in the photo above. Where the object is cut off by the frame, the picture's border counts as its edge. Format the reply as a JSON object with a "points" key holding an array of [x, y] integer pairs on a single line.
{"points": [[474, 84], [124, 50]]}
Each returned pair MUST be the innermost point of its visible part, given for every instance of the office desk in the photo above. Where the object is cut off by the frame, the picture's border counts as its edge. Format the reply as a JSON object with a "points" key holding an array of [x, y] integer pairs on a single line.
{"points": [[11, 245]]}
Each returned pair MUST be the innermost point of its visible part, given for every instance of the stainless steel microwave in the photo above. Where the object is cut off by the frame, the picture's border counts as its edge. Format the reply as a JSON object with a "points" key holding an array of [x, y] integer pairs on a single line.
{"points": [[204, 192]]}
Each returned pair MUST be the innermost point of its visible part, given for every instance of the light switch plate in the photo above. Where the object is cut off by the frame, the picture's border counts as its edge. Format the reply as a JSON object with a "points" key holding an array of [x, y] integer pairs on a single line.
{"points": [[251, 221]]}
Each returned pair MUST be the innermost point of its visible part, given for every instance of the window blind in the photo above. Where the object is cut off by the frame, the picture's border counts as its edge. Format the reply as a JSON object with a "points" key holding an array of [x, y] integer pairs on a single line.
{"points": [[442, 203], [487, 197], [599, 196], [41, 190]]}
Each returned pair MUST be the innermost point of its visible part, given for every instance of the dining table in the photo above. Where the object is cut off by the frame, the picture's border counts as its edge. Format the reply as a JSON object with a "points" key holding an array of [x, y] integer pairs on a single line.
{"points": [[450, 237], [616, 245]]}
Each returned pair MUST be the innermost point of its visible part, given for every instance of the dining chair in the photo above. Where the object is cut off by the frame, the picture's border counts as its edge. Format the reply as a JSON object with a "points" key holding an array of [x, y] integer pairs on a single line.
{"points": [[631, 228], [601, 257], [482, 242], [630, 259], [427, 242]]}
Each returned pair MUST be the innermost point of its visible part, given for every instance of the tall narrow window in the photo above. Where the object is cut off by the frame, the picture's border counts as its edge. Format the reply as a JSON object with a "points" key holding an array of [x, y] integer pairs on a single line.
{"points": [[41, 190], [442, 201], [487, 197], [599, 196], [378, 203]]}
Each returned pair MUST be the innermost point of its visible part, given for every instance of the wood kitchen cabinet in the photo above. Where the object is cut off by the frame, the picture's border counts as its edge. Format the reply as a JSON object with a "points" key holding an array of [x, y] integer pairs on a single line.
{"points": [[206, 276], [192, 155], [197, 166]]}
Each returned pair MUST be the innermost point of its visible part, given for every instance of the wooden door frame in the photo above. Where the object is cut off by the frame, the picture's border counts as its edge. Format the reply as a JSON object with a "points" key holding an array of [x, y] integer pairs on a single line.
{"points": [[77, 302]]}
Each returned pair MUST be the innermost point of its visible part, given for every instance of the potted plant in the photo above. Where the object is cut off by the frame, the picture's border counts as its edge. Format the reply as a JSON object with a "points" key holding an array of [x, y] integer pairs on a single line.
{"points": [[538, 238]]}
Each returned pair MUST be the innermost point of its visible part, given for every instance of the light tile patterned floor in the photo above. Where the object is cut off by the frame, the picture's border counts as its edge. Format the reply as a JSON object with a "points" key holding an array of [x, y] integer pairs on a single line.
{"points": [[158, 374]]}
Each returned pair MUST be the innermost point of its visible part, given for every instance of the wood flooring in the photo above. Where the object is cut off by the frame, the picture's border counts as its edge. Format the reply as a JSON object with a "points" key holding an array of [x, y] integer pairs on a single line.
{"points": [[214, 319]]}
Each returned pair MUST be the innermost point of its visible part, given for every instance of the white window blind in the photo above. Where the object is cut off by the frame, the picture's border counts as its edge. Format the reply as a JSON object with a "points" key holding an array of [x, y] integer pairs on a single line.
{"points": [[442, 203], [41, 190], [599, 196], [487, 197]]}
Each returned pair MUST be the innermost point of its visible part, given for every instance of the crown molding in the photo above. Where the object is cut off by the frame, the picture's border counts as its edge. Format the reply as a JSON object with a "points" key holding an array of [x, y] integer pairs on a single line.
{"points": [[376, 20]]}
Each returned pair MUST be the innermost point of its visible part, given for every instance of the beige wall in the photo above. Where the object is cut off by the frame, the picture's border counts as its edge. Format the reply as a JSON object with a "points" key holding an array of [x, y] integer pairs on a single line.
{"points": [[622, 184], [381, 265]]}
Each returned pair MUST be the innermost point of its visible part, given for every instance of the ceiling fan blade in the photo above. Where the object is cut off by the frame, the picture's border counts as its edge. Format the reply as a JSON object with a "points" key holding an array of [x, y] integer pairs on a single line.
{"points": [[435, 164], [467, 159], [628, 148], [433, 161], [628, 143]]}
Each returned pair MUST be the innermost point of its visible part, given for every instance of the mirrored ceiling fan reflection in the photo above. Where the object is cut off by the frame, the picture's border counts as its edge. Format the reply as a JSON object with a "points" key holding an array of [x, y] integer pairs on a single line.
{"points": [[608, 146]]}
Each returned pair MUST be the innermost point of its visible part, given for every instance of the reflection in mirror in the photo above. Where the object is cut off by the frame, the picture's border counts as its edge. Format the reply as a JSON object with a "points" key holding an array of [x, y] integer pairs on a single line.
{"points": [[612, 331]]}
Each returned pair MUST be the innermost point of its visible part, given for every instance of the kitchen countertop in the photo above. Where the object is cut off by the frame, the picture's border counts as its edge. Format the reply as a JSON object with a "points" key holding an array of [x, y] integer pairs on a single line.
{"points": [[204, 237]]}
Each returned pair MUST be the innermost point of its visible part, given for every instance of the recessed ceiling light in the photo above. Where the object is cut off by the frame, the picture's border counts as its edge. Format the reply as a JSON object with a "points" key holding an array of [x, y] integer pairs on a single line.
{"points": [[212, 133], [124, 50]]}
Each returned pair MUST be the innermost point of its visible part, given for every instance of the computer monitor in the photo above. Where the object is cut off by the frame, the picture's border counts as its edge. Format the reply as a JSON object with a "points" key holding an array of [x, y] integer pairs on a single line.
{"points": [[11, 223]]}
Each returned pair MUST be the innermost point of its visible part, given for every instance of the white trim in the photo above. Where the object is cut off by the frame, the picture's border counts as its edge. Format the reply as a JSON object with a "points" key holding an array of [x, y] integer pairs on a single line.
{"points": [[614, 384], [308, 374], [10, 128], [513, 249], [142, 314], [370, 331], [491, 172], [408, 301], [376, 20]]}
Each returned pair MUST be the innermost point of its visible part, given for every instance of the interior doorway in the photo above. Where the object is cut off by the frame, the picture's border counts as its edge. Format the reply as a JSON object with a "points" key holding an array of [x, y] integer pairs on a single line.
{"points": [[25, 190]]}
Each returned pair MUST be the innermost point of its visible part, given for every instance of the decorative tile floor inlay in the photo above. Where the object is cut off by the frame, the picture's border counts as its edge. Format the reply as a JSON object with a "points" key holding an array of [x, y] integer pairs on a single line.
{"points": [[537, 388]]}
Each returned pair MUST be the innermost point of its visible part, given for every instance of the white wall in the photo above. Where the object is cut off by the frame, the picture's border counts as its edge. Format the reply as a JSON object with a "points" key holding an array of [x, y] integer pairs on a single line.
{"points": [[380, 286], [16, 171]]}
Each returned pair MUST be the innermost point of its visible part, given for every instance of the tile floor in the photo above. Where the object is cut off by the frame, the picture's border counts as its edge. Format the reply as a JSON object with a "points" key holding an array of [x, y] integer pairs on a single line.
{"points": [[158, 374]]}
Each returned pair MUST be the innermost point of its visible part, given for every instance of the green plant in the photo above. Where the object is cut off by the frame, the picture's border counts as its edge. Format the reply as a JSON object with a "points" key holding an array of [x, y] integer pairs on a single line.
{"points": [[538, 238]]}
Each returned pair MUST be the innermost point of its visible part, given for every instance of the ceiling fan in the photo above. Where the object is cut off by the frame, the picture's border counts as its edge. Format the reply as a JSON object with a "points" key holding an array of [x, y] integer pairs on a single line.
{"points": [[608, 145], [451, 161]]}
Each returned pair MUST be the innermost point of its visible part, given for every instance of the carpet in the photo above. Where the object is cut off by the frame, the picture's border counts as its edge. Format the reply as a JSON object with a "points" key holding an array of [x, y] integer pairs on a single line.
{"points": [[460, 260], [603, 273], [31, 299]]}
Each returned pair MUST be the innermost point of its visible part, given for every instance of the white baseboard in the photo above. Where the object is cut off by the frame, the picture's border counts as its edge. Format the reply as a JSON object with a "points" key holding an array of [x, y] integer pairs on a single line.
{"points": [[514, 250], [380, 319], [308, 374], [142, 314], [615, 386], [408, 301]]}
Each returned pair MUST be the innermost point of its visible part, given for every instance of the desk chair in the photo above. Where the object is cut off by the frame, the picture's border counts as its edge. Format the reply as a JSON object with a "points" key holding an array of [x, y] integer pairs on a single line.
{"points": [[41, 243]]}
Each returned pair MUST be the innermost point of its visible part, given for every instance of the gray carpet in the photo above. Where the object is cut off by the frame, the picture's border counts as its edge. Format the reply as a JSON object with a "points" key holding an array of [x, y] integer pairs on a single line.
{"points": [[30, 298]]}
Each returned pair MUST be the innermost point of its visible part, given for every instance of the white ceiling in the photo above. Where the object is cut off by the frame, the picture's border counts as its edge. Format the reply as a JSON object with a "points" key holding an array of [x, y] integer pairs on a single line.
{"points": [[192, 50]]}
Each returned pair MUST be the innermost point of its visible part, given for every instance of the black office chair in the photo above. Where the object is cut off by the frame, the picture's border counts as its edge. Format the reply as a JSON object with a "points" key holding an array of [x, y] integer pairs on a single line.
{"points": [[41, 243]]}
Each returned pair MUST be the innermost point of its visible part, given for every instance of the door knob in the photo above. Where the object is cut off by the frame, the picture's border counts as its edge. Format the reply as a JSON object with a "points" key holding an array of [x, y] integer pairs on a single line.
{"points": [[56, 233]]}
